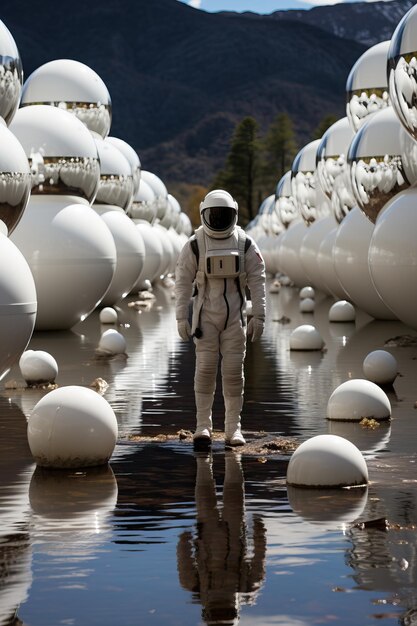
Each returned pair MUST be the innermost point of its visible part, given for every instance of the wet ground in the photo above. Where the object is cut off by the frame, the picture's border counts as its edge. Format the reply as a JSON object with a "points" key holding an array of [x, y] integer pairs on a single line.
{"points": [[166, 536]]}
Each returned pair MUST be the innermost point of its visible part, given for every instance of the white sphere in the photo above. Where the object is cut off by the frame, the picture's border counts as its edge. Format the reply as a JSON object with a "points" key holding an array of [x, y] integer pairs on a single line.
{"points": [[116, 186], [72, 427], [18, 304], [11, 75], [358, 398], [15, 178], [367, 85], [108, 315], [144, 203], [325, 263], [153, 254], [38, 366], [72, 255], [133, 158], [305, 187], [393, 257], [286, 205], [332, 154], [306, 337], [307, 305], [112, 342], [307, 292], [380, 367], [62, 152], [327, 461], [160, 190], [74, 87], [350, 254], [309, 250], [342, 311], [289, 253]]}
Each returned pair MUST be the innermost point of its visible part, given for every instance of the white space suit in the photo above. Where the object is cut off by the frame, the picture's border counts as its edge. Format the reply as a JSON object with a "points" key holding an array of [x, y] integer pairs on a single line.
{"points": [[220, 268]]}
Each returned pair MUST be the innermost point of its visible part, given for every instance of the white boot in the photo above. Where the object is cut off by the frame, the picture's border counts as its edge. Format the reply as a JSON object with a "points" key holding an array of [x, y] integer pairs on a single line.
{"points": [[232, 431], [204, 427]]}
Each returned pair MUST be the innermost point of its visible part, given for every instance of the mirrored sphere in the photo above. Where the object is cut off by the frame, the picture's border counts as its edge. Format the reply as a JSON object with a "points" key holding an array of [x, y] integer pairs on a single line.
{"points": [[62, 154], [160, 190], [285, 205], [305, 189], [11, 75], [116, 181], [143, 206], [131, 156], [15, 179], [367, 85], [176, 210], [402, 71], [74, 87], [378, 170]]}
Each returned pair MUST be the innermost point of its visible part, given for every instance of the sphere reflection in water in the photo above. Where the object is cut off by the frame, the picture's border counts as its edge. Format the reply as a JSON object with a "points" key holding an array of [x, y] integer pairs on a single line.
{"points": [[74, 87], [328, 506]]}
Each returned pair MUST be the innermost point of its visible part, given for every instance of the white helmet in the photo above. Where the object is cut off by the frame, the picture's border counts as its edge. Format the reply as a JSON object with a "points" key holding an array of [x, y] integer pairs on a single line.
{"points": [[218, 213]]}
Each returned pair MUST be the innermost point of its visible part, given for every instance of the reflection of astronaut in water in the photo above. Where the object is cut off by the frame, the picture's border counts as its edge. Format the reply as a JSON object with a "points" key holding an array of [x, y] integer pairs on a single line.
{"points": [[217, 564]]}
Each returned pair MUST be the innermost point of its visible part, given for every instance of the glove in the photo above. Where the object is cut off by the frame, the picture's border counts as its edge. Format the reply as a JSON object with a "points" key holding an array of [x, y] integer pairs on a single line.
{"points": [[255, 328], [184, 329]]}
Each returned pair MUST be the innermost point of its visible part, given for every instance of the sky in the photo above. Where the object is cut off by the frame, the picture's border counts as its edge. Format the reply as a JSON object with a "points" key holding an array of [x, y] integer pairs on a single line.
{"points": [[260, 6]]}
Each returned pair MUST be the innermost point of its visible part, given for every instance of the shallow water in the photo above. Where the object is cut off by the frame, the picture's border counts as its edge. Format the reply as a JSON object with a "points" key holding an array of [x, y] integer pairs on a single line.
{"points": [[167, 536]]}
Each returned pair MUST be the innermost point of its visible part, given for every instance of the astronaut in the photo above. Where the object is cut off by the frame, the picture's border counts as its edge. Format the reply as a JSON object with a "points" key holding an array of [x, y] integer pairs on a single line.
{"points": [[214, 268]]}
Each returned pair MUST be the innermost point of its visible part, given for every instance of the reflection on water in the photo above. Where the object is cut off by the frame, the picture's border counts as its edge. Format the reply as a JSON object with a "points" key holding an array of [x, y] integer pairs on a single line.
{"points": [[166, 536]]}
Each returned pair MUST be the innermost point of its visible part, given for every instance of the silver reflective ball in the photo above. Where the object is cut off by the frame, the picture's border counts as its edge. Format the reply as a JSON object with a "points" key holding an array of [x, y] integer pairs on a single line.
{"points": [[133, 158], [402, 71], [11, 75], [304, 184], [143, 206], [116, 181], [15, 179], [286, 205], [367, 85]]}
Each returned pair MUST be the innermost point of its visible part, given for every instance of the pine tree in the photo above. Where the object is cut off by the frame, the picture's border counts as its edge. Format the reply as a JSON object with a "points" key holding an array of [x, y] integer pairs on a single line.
{"points": [[279, 150]]}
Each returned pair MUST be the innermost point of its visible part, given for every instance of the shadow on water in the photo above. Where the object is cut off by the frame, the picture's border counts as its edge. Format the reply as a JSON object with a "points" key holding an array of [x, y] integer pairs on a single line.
{"points": [[167, 536]]}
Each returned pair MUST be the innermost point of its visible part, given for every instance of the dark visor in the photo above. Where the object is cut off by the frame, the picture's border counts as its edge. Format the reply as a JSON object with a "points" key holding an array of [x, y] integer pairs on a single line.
{"points": [[219, 218]]}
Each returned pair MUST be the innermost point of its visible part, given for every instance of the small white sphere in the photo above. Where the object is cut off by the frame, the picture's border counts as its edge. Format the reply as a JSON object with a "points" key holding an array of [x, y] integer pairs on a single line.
{"points": [[342, 311], [37, 367], [307, 292], [358, 398], [72, 427], [306, 337], [112, 342], [108, 315], [380, 367], [307, 305], [327, 461]]}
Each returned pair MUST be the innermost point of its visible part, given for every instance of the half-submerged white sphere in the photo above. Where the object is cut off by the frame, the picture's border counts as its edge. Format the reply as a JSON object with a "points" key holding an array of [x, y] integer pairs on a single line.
{"points": [[307, 305], [380, 367], [112, 342], [306, 337], [74, 87], [72, 427], [38, 366], [327, 461], [108, 315], [356, 399], [342, 311], [18, 304]]}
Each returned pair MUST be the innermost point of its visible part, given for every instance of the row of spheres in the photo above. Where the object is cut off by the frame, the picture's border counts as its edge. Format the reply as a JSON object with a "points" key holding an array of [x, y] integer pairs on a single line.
{"points": [[81, 223], [343, 218]]}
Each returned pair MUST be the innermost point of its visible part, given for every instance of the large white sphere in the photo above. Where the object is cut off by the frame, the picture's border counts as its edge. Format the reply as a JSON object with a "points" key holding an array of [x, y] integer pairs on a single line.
{"points": [[61, 151], [132, 156], [18, 304], [358, 398], [153, 254], [112, 342], [116, 184], [143, 206], [11, 75], [393, 256], [367, 85], [306, 337], [382, 162], [309, 251], [38, 366], [160, 190], [342, 311], [327, 461], [325, 263], [380, 367], [15, 178], [72, 427], [72, 256], [74, 87], [402, 71], [289, 253], [350, 254]]}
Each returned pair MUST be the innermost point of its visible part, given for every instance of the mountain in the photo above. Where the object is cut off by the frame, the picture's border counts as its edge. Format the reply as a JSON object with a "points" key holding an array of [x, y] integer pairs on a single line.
{"points": [[180, 79]]}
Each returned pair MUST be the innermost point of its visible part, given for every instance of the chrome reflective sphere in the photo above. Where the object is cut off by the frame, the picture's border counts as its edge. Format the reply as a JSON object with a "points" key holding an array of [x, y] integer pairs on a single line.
{"points": [[285, 204], [402, 71], [131, 156], [332, 166], [15, 179], [116, 180], [378, 170], [11, 75], [307, 193], [62, 154], [143, 206], [367, 85], [160, 190], [74, 87]]}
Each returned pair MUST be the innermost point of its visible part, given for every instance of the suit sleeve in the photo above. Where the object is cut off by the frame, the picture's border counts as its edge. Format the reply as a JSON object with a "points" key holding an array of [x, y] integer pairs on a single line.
{"points": [[185, 272], [255, 271]]}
